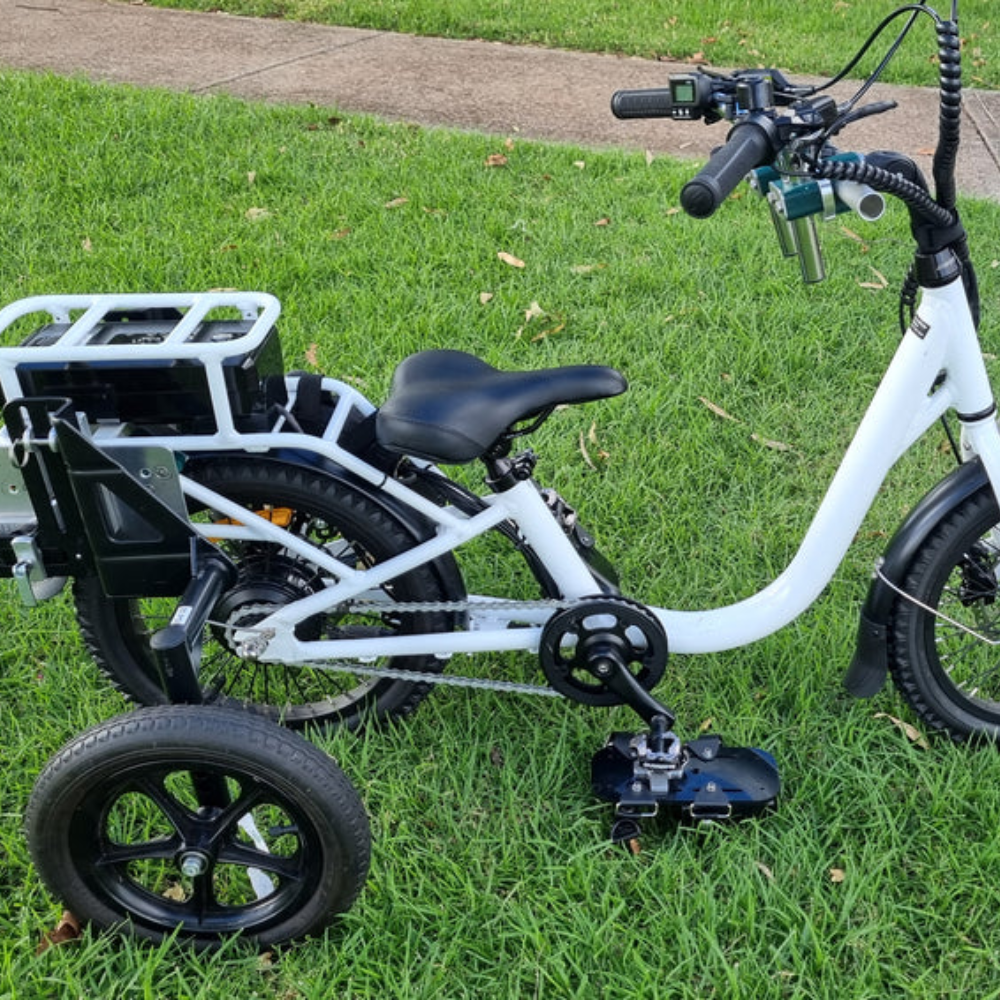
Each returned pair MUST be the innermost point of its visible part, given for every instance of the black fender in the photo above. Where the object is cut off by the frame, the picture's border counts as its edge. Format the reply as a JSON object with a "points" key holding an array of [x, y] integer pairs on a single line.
{"points": [[870, 664], [418, 527]]}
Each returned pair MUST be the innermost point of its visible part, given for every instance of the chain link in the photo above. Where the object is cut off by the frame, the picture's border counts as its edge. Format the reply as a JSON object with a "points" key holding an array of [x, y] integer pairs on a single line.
{"points": [[414, 607], [426, 677], [429, 677]]}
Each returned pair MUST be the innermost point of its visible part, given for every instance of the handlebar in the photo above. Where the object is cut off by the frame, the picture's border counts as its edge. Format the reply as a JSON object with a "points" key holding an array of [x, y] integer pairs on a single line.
{"points": [[654, 103], [750, 144]]}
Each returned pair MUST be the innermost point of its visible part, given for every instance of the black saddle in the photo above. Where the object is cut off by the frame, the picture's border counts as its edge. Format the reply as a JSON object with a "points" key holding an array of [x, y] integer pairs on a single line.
{"points": [[451, 407]]}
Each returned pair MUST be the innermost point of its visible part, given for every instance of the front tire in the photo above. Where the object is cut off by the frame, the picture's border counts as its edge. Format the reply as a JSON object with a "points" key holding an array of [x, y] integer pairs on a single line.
{"points": [[940, 661], [200, 821]]}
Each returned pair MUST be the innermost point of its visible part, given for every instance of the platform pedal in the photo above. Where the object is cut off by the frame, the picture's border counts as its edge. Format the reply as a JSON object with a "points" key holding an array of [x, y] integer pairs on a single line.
{"points": [[646, 775]]}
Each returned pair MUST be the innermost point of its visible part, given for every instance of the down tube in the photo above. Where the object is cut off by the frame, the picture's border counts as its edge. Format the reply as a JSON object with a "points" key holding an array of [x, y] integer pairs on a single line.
{"points": [[883, 435]]}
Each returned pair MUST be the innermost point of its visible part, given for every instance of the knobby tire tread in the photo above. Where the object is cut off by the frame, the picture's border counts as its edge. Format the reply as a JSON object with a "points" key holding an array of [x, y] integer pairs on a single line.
{"points": [[102, 630]]}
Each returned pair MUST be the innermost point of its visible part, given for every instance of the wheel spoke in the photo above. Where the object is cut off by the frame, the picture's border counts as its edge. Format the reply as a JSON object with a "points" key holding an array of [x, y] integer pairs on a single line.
{"points": [[153, 787], [287, 868]]}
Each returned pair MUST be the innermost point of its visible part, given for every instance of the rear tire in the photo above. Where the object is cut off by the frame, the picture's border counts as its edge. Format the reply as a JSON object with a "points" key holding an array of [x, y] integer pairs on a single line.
{"points": [[344, 521], [200, 821]]}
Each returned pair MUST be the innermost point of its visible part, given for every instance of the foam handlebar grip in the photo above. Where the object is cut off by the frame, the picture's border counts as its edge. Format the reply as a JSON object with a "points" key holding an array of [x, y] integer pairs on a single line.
{"points": [[749, 145], [655, 103]]}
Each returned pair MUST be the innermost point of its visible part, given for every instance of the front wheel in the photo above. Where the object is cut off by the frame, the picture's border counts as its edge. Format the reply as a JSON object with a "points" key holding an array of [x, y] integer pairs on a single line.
{"points": [[944, 635], [201, 821]]}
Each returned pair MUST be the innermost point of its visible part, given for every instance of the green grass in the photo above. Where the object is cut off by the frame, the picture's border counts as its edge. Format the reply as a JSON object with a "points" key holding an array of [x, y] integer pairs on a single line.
{"points": [[814, 37], [492, 875]]}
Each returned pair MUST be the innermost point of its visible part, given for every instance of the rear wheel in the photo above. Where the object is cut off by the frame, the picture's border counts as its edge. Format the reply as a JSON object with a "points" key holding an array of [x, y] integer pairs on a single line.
{"points": [[345, 523], [200, 821], [942, 636]]}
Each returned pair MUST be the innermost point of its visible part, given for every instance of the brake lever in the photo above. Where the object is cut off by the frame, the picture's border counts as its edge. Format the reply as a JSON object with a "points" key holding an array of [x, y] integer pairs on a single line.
{"points": [[865, 111]]}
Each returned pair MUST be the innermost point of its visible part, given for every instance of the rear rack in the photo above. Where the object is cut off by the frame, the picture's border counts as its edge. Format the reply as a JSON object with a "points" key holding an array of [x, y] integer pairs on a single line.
{"points": [[180, 357]]}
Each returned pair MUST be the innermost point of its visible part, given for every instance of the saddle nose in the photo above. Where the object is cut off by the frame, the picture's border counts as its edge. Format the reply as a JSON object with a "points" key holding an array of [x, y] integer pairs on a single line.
{"points": [[452, 407]]}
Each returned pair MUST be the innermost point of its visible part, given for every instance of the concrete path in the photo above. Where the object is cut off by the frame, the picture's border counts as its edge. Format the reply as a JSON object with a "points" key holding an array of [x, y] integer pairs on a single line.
{"points": [[482, 86]]}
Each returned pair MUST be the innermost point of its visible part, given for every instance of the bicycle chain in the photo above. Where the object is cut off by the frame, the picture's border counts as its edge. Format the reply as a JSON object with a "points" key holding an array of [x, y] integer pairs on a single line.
{"points": [[426, 676]]}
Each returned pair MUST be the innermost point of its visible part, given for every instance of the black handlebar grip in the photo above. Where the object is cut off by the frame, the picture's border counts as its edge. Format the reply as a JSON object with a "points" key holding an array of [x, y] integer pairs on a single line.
{"points": [[655, 103], [750, 144]]}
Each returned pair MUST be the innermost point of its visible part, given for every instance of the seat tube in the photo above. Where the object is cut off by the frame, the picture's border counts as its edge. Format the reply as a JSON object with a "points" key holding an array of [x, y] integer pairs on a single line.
{"points": [[527, 508]]}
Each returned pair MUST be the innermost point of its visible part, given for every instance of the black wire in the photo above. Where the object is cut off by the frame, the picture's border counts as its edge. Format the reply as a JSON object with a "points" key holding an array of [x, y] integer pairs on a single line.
{"points": [[914, 8]]}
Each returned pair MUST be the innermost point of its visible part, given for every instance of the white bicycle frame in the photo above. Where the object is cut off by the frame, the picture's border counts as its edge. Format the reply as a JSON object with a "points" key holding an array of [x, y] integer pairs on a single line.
{"points": [[937, 367]]}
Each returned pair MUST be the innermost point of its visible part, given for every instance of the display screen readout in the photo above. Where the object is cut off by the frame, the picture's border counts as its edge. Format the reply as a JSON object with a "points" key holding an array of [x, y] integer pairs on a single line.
{"points": [[683, 91]]}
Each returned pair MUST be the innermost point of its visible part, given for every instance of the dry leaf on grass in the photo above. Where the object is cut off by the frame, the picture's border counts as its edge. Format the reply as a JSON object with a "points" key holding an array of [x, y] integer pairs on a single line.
{"points": [[68, 929], [509, 258], [911, 732], [717, 410]]}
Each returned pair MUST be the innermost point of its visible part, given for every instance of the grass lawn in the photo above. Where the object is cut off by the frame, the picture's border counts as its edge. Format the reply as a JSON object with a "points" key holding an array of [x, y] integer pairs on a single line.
{"points": [[492, 875], [814, 37]]}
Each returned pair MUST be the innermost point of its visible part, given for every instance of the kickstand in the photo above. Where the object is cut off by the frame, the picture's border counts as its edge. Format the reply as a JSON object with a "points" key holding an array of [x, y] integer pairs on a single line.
{"points": [[177, 647]]}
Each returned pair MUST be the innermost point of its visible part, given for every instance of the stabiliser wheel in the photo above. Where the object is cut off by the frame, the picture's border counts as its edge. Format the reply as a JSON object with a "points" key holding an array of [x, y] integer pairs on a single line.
{"points": [[578, 642], [202, 821]]}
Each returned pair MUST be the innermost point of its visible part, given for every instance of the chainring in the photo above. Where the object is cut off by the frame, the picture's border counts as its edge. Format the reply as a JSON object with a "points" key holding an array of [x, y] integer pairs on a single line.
{"points": [[575, 636]]}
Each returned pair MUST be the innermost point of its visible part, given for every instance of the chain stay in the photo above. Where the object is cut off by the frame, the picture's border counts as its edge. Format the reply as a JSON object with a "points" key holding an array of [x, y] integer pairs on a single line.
{"points": [[444, 680]]}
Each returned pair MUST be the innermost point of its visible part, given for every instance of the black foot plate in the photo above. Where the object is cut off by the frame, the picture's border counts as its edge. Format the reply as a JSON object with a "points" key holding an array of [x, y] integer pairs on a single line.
{"points": [[698, 781]]}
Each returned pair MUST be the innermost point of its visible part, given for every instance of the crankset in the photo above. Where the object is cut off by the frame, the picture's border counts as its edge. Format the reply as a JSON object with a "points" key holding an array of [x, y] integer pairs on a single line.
{"points": [[700, 781], [605, 650]]}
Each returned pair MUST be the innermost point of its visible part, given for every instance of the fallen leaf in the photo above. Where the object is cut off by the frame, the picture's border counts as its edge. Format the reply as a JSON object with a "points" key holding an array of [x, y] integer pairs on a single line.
{"points": [[68, 929], [396, 202], [765, 871], [311, 355], [717, 410], [880, 285], [706, 725], [485, 297], [87, 245], [579, 164], [509, 144], [600, 453], [911, 732], [548, 332], [255, 214], [837, 875], [340, 234], [773, 445], [603, 222], [496, 160], [533, 312], [251, 177], [510, 259]]}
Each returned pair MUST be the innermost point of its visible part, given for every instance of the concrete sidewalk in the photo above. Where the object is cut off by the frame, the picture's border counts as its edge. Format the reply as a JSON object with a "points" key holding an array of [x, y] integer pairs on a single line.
{"points": [[482, 86]]}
